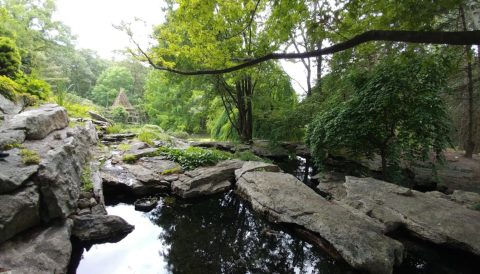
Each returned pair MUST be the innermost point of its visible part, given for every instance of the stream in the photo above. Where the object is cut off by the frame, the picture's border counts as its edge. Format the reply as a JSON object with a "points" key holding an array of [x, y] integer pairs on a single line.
{"points": [[220, 234]]}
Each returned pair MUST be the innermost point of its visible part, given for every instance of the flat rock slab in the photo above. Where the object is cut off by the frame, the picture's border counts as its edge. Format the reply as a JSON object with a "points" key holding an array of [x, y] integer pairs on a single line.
{"points": [[359, 240], [204, 181], [39, 122], [13, 172], [19, 210], [251, 166], [436, 220], [41, 250], [8, 137], [100, 227]]}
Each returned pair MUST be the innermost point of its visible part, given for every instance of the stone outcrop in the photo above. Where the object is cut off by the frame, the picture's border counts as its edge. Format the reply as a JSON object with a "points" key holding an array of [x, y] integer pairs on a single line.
{"points": [[8, 107], [19, 210], [432, 219], [140, 149], [14, 173], [204, 181], [98, 117], [469, 199], [8, 137], [357, 238], [39, 122], [118, 137], [40, 250], [61, 170], [100, 227], [251, 166]]}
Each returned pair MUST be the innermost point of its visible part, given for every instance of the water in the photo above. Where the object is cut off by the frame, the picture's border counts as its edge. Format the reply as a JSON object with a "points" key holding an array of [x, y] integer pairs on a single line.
{"points": [[220, 234]]}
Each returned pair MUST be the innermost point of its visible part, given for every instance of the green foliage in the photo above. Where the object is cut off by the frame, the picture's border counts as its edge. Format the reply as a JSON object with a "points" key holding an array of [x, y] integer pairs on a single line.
{"points": [[87, 184], [73, 124], [129, 159], [192, 157], [171, 171], [29, 157], [77, 111], [62, 98], [10, 59], [9, 89], [13, 145], [109, 84], [34, 85], [178, 134], [124, 146], [249, 156], [119, 114], [396, 111], [115, 129], [147, 137]]}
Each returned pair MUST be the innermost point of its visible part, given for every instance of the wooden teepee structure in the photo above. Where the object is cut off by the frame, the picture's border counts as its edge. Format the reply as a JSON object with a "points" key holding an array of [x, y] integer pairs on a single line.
{"points": [[122, 100]]}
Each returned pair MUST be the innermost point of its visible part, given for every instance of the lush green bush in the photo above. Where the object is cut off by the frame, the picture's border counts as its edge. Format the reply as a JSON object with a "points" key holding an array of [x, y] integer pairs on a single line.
{"points": [[193, 157], [9, 89], [115, 129], [77, 111], [34, 85], [179, 134], [10, 59], [119, 114]]}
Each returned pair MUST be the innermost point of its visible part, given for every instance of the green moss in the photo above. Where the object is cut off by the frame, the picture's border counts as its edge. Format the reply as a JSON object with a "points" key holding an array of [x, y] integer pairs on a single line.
{"points": [[13, 145], [124, 146], [476, 206], [170, 171], [87, 184], [130, 159], [29, 157]]}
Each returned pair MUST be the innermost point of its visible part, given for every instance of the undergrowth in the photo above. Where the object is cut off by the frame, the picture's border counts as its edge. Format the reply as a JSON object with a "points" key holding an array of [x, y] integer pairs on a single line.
{"points": [[192, 157]]}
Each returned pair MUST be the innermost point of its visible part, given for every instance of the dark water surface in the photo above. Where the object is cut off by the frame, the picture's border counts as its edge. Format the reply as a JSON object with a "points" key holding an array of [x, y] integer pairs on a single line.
{"points": [[221, 235]]}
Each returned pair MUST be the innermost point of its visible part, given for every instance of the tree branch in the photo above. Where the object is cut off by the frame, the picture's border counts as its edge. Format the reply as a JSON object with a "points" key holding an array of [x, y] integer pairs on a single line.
{"points": [[429, 37]]}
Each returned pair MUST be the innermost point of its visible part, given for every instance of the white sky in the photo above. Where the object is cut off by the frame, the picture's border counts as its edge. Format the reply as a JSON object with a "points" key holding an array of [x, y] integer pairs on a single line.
{"points": [[91, 21]]}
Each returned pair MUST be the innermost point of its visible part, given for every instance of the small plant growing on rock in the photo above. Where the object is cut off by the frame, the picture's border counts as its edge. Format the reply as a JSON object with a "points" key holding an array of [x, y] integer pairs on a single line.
{"points": [[124, 146], [14, 145], [29, 157], [87, 184], [129, 159], [476, 206], [57, 136], [170, 171]]}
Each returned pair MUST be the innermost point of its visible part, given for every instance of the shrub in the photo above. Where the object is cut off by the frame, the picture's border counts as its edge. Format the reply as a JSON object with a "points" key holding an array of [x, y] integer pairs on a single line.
{"points": [[153, 128], [115, 129], [10, 59], [193, 157], [77, 111], [147, 137], [119, 114], [124, 146], [9, 89], [476, 206], [29, 156], [129, 159], [179, 134]]}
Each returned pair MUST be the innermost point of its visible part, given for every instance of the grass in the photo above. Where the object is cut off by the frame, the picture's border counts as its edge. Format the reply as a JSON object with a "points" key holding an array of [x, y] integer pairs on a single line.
{"points": [[13, 145], [170, 171], [87, 184], [129, 159], [29, 157], [124, 146], [72, 124]]}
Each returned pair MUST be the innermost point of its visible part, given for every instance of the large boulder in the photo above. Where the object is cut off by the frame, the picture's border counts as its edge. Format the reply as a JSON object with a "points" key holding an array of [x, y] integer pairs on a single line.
{"points": [[432, 219], [19, 210], [251, 166], [10, 108], [61, 170], [204, 181], [39, 122], [40, 250], [14, 173], [261, 148], [100, 227], [358, 239]]}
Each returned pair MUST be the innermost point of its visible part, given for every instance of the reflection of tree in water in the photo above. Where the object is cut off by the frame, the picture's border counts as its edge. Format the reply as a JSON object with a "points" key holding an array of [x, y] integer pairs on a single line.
{"points": [[220, 235]]}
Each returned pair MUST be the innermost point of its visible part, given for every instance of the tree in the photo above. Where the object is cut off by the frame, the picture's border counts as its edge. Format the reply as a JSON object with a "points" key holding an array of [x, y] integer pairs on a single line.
{"points": [[109, 84], [396, 111]]}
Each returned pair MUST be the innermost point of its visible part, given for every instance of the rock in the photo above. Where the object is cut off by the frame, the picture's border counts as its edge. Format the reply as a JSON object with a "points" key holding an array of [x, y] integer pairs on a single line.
{"points": [[93, 202], [86, 195], [136, 145], [85, 211], [332, 184], [8, 137], [178, 143], [437, 194], [241, 148], [261, 148], [203, 144], [466, 198], [358, 239], [435, 220], [97, 183], [251, 166], [118, 137], [14, 173], [227, 146], [204, 181], [99, 210], [39, 122], [83, 203], [142, 152], [60, 172], [19, 210], [41, 250], [9, 107], [98, 117], [100, 227], [170, 178]]}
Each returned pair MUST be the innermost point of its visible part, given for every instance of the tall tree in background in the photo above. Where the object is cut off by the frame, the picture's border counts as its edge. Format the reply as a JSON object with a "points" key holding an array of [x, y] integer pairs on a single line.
{"points": [[109, 84]]}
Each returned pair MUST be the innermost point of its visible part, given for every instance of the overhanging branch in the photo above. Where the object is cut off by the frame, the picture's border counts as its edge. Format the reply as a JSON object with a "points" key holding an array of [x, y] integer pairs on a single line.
{"points": [[430, 37]]}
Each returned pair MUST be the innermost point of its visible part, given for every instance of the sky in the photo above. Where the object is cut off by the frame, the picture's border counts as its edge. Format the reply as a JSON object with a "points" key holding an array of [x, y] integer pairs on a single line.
{"points": [[91, 21]]}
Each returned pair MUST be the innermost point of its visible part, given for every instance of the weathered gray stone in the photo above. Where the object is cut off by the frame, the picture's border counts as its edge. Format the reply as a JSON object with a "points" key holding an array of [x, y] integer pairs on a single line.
{"points": [[436, 220], [170, 178], [13, 172], [39, 122], [332, 183], [228, 146], [83, 203], [358, 239], [159, 164], [9, 107], [41, 250], [466, 198], [437, 194], [85, 211], [99, 227], [97, 183], [61, 170], [19, 210], [203, 144], [98, 117], [204, 181], [8, 137], [178, 143], [261, 148], [255, 166], [84, 194], [93, 202], [136, 145], [118, 137]]}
